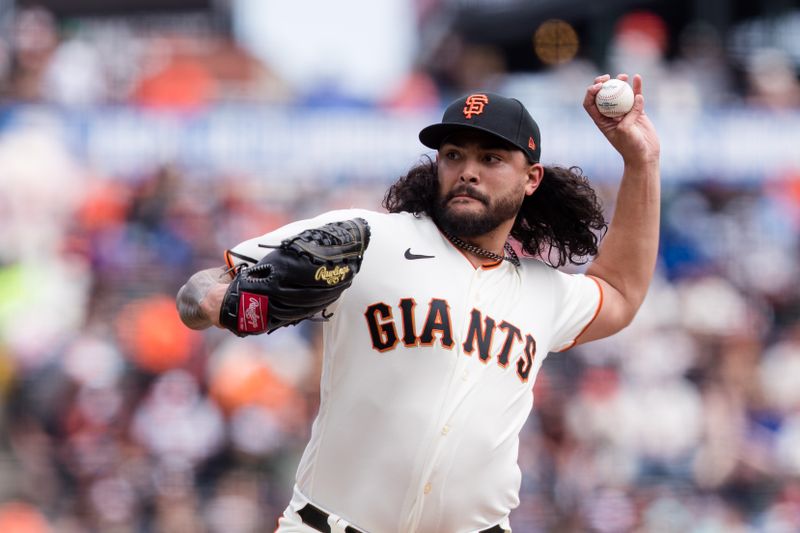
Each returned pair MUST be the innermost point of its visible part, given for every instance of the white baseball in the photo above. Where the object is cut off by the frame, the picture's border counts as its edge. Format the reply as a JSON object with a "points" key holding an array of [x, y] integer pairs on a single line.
{"points": [[615, 98]]}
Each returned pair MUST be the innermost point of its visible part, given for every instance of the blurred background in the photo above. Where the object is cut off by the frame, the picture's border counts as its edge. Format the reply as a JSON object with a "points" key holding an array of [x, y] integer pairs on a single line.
{"points": [[140, 139]]}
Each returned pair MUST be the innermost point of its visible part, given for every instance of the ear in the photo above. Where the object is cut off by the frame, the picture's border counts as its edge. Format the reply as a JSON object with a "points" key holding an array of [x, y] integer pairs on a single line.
{"points": [[535, 175]]}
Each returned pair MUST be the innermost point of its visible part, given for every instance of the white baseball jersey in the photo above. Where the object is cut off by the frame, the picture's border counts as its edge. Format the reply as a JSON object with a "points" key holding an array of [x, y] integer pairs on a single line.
{"points": [[427, 377]]}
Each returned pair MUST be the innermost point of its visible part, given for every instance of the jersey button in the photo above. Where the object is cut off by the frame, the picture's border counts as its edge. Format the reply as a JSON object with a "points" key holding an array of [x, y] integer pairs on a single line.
{"points": [[445, 430], [427, 489]]}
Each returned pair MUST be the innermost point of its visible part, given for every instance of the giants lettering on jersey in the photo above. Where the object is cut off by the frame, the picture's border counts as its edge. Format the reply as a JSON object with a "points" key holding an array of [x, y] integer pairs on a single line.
{"points": [[383, 330]]}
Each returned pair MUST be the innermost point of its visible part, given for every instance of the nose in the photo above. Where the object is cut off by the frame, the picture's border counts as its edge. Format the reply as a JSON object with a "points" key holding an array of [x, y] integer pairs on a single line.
{"points": [[469, 172]]}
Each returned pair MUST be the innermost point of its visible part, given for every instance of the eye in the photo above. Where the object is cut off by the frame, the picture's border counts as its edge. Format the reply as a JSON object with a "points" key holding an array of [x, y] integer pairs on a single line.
{"points": [[492, 158], [451, 155]]}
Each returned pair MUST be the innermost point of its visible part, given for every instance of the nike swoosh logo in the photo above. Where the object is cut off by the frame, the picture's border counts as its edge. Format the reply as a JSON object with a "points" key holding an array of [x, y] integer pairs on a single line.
{"points": [[408, 255]]}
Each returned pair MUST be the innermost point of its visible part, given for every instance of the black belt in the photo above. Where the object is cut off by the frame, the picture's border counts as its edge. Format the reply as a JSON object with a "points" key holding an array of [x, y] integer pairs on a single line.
{"points": [[318, 519]]}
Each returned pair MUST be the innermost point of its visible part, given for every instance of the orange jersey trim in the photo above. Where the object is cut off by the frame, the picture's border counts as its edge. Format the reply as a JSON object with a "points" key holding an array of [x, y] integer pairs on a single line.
{"points": [[229, 262], [490, 266], [596, 313]]}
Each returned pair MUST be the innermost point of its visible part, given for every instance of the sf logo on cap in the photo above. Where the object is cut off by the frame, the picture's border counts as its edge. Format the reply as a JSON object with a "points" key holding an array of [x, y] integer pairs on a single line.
{"points": [[475, 103]]}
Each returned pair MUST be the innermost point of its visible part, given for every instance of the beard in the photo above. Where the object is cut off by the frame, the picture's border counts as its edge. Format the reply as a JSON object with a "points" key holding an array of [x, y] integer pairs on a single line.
{"points": [[469, 225]]}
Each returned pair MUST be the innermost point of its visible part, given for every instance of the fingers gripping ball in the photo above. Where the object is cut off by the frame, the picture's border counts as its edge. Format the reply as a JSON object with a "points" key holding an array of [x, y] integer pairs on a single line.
{"points": [[615, 98], [299, 279]]}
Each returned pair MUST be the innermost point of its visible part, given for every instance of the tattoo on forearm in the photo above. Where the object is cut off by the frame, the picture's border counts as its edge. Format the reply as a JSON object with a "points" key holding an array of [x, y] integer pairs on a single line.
{"points": [[194, 291]]}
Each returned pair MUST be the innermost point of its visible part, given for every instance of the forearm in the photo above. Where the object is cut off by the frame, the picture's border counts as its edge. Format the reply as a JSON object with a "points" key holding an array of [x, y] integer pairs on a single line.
{"points": [[628, 252], [198, 301]]}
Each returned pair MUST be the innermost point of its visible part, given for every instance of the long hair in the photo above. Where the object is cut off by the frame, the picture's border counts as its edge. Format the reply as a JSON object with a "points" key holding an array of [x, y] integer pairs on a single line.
{"points": [[561, 221]]}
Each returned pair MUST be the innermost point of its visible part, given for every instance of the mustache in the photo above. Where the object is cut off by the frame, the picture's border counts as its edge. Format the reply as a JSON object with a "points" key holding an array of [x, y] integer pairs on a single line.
{"points": [[466, 190]]}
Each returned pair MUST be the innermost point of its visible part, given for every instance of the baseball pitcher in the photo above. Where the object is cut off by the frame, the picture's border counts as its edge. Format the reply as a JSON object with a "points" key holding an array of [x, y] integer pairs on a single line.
{"points": [[435, 326]]}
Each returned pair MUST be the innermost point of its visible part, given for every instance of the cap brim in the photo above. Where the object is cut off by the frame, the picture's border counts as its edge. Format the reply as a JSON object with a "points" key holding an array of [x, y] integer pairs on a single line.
{"points": [[433, 135]]}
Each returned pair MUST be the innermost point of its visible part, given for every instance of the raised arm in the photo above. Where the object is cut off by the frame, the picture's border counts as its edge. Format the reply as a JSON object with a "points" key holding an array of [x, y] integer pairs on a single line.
{"points": [[627, 256], [200, 298]]}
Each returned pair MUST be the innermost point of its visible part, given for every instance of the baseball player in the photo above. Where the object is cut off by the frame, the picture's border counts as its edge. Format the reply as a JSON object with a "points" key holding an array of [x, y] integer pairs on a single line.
{"points": [[431, 352]]}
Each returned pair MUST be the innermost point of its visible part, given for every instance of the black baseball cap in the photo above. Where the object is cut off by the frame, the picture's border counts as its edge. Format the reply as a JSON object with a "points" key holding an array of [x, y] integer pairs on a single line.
{"points": [[502, 117]]}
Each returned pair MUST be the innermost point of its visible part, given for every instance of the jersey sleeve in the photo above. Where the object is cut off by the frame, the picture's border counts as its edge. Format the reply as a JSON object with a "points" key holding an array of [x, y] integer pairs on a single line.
{"points": [[579, 300], [251, 251]]}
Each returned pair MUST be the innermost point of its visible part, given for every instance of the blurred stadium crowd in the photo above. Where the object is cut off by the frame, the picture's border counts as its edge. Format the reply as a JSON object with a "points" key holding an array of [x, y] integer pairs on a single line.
{"points": [[116, 418]]}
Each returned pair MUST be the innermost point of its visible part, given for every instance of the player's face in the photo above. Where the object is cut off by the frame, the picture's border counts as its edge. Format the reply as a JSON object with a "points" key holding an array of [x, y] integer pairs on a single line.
{"points": [[482, 183]]}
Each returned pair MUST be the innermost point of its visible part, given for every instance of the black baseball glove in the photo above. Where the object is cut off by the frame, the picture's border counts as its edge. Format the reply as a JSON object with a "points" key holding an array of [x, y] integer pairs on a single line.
{"points": [[299, 279]]}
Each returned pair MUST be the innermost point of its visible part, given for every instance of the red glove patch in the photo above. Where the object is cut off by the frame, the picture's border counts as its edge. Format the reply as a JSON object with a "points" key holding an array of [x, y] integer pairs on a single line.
{"points": [[253, 313]]}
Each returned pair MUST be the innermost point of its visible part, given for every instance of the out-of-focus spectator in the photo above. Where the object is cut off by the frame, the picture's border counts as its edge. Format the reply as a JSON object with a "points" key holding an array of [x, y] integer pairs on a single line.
{"points": [[772, 80], [459, 66], [40, 185], [151, 335], [639, 45], [176, 423], [74, 75], [34, 38], [640, 42], [174, 77], [702, 69]]}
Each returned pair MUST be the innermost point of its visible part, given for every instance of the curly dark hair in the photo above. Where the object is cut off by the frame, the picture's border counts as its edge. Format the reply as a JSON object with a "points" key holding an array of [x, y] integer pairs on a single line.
{"points": [[562, 221]]}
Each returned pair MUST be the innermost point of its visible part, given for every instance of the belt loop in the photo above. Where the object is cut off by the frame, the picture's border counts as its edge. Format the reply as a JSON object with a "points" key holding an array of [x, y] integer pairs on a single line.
{"points": [[337, 523]]}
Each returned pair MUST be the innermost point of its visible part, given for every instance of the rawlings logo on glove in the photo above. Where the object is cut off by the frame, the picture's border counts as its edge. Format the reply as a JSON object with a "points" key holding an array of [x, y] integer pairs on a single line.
{"points": [[332, 277], [304, 274]]}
